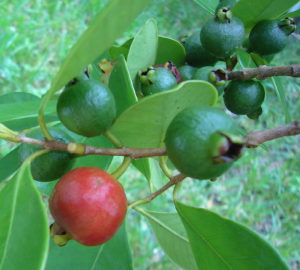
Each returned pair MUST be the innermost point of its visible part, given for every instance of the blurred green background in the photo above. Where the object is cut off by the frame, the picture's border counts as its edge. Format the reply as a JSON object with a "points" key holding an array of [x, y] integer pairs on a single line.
{"points": [[261, 191]]}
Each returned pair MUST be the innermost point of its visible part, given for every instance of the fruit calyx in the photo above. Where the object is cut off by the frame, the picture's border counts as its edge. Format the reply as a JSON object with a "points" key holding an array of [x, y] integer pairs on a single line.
{"points": [[59, 235], [287, 25], [217, 77], [228, 147], [145, 76], [224, 15]]}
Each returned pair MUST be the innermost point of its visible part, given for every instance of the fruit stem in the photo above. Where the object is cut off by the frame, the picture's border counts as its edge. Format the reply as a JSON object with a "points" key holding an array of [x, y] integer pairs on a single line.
{"points": [[164, 167], [8, 134], [122, 168], [41, 118], [112, 139]]}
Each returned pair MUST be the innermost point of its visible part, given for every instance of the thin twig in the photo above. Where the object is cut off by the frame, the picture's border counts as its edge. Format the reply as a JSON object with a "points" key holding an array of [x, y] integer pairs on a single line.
{"points": [[253, 139], [263, 72], [256, 138]]}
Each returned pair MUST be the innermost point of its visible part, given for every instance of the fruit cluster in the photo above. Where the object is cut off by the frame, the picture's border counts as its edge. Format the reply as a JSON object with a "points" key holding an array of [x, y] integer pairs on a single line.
{"points": [[87, 204]]}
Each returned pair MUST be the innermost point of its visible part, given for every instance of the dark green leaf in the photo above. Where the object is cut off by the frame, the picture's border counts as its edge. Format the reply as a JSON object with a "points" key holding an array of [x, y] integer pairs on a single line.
{"points": [[9, 164], [142, 52], [24, 230], [170, 233], [113, 255], [244, 60], [144, 124], [251, 12], [170, 50], [208, 5], [220, 243], [108, 25], [121, 86]]}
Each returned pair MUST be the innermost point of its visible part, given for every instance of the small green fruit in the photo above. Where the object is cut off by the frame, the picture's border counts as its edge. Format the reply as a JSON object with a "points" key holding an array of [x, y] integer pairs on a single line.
{"points": [[244, 97], [86, 108], [201, 142], [187, 72], [156, 80], [223, 34], [269, 37], [49, 166], [196, 55]]}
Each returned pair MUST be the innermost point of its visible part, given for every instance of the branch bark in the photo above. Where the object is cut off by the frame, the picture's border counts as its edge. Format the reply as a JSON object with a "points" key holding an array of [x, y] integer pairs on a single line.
{"points": [[263, 72], [253, 139]]}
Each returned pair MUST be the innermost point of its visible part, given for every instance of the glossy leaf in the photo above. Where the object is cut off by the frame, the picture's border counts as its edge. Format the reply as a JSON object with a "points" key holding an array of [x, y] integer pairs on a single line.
{"points": [[170, 50], [99, 36], [208, 5], [251, 12], [24, 230], [170, 234], [121, 86], [220, 243], [9, 164], [113, 255], [142, 52], [144, 124], [10, 111]]}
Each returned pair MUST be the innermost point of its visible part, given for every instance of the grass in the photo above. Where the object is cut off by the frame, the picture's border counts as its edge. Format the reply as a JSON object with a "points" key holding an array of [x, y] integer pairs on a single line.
{"points": [[260, 191]]}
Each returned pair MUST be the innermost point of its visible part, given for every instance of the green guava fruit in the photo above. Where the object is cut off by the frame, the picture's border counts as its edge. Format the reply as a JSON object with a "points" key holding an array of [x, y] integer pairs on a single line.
{"points": [[196, 55], [271, 36], [187, 72], [203, 142], [49, 166], [214, 76], [156, 80], [244, 97], [223, 34], [86, 108]]}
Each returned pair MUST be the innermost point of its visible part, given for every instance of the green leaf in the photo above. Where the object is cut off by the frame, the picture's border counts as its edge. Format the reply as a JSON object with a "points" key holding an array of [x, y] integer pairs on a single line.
{"points": [[28, 109], [142, 52], [208, 5], [9, 164], [121, 86], [113, 255], [251, 12], [244, 60], [24, 230], [220, 243], [170, 234], [17, 97], [293, 14], [170, 50], [108, 25], [144, 124]]}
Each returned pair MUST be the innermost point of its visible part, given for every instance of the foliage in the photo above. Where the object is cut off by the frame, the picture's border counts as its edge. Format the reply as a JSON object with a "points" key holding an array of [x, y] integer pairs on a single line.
{"points": [[143, 124]]}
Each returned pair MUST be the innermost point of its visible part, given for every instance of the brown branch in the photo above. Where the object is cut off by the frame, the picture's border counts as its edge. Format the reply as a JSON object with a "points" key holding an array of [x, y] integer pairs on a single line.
{"points": [[253, 139], [256, 138], [173, 181], [263, 72]]}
